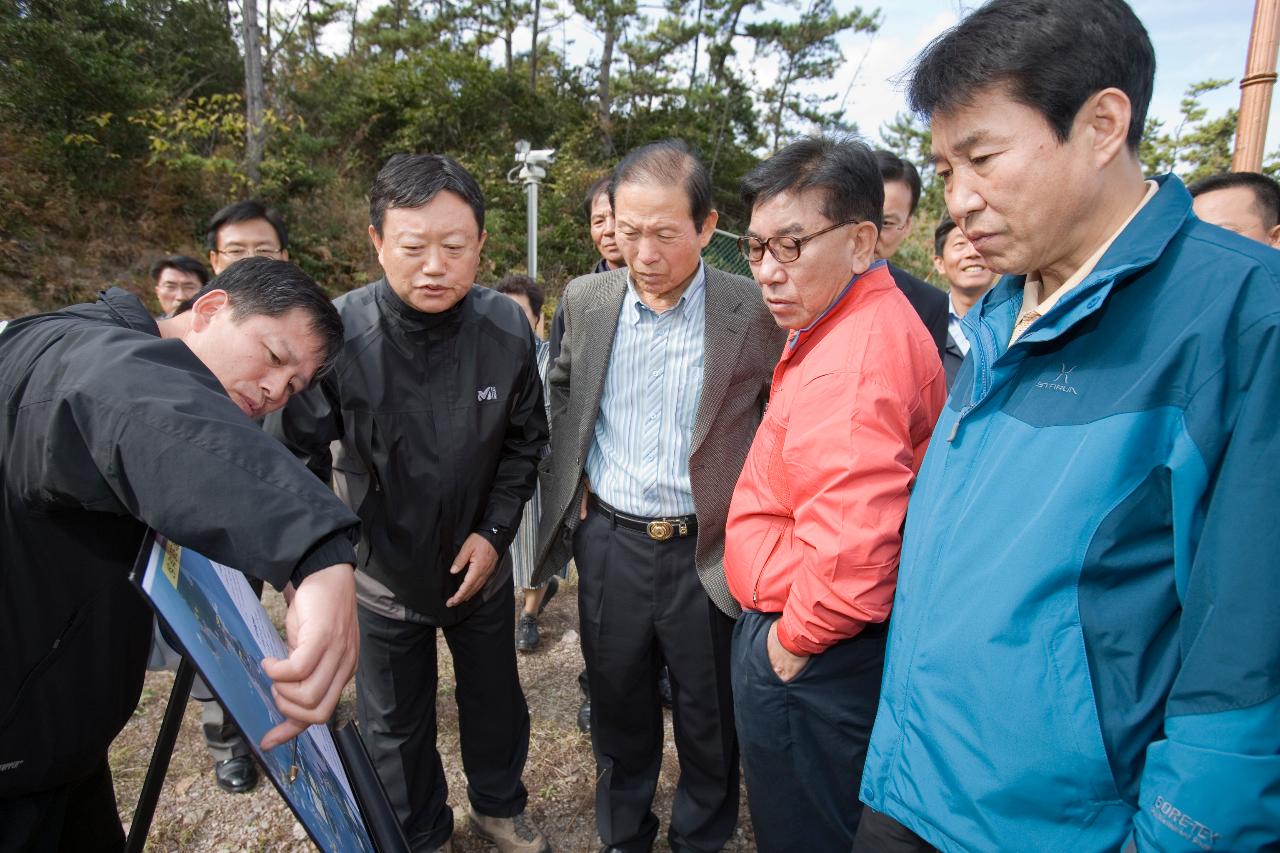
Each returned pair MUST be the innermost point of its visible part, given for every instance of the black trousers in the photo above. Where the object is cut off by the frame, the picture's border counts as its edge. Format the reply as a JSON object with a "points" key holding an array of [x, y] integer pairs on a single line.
{"points": [[76, 818], [640, 602], [879, 833], [396, 703], [804, 741]]}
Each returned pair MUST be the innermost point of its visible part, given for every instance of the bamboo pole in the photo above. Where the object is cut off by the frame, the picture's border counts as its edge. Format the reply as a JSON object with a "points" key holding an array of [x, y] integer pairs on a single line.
{"points": [[1255, 87]]}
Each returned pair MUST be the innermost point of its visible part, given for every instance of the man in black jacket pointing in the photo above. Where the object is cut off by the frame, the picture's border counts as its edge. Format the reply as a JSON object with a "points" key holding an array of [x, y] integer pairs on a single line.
{"points": [[112, 423]]}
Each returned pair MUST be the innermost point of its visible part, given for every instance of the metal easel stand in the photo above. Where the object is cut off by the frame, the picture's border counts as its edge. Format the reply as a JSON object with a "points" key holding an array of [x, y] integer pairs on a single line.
{"points": [[160, 757]]}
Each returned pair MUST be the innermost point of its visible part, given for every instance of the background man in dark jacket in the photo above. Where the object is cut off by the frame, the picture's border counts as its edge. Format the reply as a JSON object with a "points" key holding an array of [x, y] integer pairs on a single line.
{"points": [[109, 429], [245, 229], [437, 405], [240, 230], [598, 211], [177, 278], [901, 196], [968, 277]]}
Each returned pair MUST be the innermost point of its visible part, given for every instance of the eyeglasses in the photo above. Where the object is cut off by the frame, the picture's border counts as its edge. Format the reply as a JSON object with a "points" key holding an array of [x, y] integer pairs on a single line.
{"points": [[237, 253], [177, 288], [892, 225], [784, 249]]}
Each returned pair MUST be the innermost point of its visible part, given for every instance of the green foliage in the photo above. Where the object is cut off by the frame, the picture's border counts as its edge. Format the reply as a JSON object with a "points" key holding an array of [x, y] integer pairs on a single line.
{"points": [[1197, 146], [71, 68], [122, 125], [203, 141], [806, 50]]}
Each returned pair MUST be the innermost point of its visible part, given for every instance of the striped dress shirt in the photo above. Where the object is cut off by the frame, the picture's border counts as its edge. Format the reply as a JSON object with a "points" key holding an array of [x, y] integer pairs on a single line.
{"points": [[524, 547], [639, 459]]}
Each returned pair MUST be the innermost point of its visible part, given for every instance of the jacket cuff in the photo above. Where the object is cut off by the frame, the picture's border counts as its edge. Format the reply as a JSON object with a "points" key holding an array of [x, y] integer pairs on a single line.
{"points": [[338, 547], [496, 536], [793, 642]]}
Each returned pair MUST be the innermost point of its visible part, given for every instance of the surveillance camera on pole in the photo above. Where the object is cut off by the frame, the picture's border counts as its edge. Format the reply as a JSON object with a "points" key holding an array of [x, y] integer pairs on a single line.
{"points": [[531, 164]]}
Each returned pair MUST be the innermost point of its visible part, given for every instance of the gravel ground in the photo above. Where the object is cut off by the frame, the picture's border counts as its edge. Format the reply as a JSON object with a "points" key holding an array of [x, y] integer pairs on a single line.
{"points": [[194, 814]]}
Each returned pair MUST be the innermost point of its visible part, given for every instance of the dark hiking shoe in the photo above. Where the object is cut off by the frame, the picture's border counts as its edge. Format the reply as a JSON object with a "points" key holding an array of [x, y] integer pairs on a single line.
{"points": [[236, 775], [527, 637]]}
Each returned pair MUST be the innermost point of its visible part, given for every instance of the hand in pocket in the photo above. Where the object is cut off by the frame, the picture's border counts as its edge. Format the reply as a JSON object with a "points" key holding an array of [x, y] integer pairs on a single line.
{"points": [[785, 664]]}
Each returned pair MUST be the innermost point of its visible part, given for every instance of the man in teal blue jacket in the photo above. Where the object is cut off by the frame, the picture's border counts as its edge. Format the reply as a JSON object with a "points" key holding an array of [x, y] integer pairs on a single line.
{"points": [[1084, 653]]}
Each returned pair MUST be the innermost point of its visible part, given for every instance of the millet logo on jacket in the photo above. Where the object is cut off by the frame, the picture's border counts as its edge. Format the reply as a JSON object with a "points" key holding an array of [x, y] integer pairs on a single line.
{"points": [[1061, 382], [487, 393]]}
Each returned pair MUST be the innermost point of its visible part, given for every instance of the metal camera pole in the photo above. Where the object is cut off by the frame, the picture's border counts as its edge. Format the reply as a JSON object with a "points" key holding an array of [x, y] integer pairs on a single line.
{"points": [[531, 172], [532, 176]]}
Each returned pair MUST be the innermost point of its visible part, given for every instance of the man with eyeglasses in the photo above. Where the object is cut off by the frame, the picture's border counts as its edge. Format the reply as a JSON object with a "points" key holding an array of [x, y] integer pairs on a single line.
{"points": [[901, 197], [246, 229], [661, 381], [243, 229], [814, 529], [177, 278]]}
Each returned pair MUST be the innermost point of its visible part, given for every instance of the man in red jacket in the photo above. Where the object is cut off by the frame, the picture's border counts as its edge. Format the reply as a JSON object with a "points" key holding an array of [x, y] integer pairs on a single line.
{"points": [[813, 534]]}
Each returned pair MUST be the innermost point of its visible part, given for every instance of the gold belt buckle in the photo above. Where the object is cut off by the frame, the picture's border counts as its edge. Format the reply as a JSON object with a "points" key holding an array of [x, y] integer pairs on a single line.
{"points": [[660, 530]]}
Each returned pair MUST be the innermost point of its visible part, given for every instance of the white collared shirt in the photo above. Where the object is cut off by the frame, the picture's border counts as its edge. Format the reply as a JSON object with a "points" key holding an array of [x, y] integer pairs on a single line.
{"points": [[639, 460], [954, 329]]}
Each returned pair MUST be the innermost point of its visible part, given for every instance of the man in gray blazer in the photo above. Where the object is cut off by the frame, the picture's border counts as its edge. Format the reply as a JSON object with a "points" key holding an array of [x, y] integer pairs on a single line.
{"points": [[660, 384]]}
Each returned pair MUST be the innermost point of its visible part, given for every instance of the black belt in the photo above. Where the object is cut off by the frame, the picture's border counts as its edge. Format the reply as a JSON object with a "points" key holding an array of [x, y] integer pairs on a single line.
{"points": [[655, 528]]}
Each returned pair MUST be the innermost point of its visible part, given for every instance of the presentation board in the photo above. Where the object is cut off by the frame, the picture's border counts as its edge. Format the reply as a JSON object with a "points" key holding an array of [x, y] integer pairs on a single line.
{"points": [[222, 628]]}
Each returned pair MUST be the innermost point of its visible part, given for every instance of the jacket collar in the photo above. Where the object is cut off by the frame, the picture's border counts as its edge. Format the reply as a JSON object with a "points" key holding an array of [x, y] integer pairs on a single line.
{"points": [[128, 310], [410, 319], [876, 277], [725, 326], [1139, 246]]}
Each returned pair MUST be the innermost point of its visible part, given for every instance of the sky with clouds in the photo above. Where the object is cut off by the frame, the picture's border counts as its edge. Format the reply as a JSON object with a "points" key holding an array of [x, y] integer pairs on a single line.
{"points": [[1190, 45]]}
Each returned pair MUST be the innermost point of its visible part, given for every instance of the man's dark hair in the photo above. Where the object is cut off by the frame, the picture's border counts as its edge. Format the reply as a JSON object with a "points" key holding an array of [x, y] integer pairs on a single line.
{"points": [[244, 211], [1266, 192], [894, 168], [940, 234], [1052, 55], [599, 185], [181, 263], [412, 180], [271, 288], [843, 169], [667, 163], [518, 284]]}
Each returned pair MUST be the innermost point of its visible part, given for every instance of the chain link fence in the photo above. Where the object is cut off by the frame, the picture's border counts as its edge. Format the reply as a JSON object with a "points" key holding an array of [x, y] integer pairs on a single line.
{"points": [[722, 253]]}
